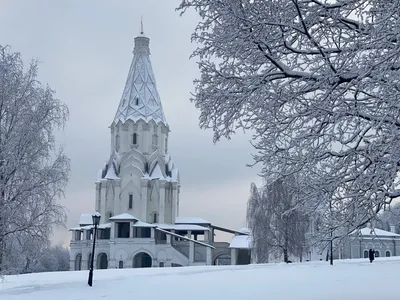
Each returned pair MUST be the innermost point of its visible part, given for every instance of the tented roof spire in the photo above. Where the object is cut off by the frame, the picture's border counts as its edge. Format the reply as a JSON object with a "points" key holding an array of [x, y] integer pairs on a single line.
{"points": [[140, 99]]}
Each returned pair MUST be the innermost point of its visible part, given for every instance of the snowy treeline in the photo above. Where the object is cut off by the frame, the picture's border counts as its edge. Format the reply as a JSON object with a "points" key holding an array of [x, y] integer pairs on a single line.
{"points": [[317, 82], [27, 255], [33, 173], [279, 229]]}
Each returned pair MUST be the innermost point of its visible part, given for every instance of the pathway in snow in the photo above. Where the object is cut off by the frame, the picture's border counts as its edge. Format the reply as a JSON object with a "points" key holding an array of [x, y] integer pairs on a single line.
{"points": [[351, 279]]}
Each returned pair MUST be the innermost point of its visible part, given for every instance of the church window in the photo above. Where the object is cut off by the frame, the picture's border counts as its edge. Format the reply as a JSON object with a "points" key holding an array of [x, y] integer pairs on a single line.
{"points": [[123, 230], [387, 254], [166, 145], [130, 202], [155, 218], [377, 253], [366, 254], [161, 264], [120, 264], [134, 138], [136, 100]]}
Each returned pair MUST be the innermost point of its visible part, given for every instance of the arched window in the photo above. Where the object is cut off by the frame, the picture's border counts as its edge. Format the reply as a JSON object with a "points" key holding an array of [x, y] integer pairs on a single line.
{"points": [[78, 262], [161, 264], [130, 205], [377, 253], [136, 100], [134, 138], [387, 253], [366, 255], [166, 145], [120, 264]]}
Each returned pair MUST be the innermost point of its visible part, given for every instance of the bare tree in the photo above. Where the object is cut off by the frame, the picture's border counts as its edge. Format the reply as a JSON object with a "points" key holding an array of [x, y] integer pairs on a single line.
{"points": [[33, 173], [318, 83], [278, 227]]}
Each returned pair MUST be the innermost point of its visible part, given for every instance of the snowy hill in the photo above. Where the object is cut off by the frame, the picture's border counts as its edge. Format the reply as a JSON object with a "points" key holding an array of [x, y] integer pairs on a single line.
{"points": [[352, 279]]}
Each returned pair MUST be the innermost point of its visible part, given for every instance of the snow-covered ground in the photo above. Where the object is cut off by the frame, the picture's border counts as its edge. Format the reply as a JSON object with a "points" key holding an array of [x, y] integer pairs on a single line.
{"points": [[351, 279]]}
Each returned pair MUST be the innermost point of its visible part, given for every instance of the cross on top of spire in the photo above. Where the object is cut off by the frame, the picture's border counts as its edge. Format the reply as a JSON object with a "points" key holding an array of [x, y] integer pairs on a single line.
{"points": [[141, 25]]}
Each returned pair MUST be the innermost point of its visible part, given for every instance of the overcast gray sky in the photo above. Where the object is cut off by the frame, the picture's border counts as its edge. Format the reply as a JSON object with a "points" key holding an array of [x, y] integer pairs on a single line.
{"points": [[85, 49]]}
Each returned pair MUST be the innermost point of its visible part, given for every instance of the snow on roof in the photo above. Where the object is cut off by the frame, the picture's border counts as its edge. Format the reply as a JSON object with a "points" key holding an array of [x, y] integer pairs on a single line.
{"points": [[88, 227], [240, 242], [157, 173], [140, 99], [85, 219], [186, 238], [123, 216], [375, 232], [111, 174], [182, 227], [244, 230], [191, 220], [143, 224]]}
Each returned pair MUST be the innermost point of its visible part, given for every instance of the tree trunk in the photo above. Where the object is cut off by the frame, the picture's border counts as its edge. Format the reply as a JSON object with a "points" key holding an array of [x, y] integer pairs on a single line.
{"points": [[285, 255]]}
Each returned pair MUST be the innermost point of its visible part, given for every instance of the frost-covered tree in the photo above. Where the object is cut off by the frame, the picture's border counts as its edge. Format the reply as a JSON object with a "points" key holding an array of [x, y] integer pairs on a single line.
{"points": [[257, 220], [277, 225], [33, 173], [389, 217], [317, 81]]}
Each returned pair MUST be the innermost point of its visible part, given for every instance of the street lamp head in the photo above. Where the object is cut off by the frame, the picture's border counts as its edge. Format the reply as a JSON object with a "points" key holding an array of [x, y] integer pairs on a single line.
{"points": [[96, 218]]}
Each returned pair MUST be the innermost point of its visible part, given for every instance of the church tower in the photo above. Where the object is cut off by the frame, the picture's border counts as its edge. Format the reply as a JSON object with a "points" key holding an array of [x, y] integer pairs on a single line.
{"points": [[140, 177]]}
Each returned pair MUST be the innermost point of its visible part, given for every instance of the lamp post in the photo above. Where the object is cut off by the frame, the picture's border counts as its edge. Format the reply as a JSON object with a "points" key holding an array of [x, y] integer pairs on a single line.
{"points": [[96, 221]]}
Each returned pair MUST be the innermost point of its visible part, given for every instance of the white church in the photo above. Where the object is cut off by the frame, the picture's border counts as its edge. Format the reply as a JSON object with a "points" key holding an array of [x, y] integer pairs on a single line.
{"points": [[137, 193]]}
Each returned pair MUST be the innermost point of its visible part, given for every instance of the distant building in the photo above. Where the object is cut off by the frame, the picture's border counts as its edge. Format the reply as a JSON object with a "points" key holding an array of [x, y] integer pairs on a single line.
{"points": [[384, 243], [137, 191]]}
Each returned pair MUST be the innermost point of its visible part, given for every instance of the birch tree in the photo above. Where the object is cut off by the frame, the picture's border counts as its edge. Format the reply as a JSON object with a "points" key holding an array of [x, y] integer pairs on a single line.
{"points": [[317, 82], [33, 173]]}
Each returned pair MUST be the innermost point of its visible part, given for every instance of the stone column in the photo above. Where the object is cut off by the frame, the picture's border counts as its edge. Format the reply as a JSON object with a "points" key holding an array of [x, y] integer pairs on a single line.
{"points": [[112, 146], [97, 196], [233, 256], [113, 231], [103, 208], [207, 236], [143, 201], [145, 139], [174, 202], [131, 230], [124, 139], [208, 256], [117, 198], [162, 202], [191, 253], [177, 199]]}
